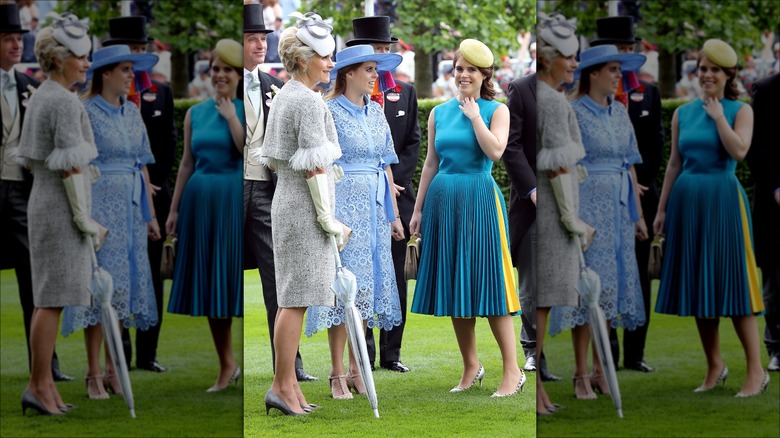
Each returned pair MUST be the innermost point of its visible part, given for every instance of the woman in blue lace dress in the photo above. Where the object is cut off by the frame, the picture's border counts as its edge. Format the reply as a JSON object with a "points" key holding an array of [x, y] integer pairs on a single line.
{"points": [[122, 203], [608, 202], [709, 269], [465, 267], [366, 204]]}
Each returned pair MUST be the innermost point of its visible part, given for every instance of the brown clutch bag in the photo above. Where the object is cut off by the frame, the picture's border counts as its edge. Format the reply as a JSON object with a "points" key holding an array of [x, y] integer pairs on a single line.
{"points": [[168, 257], [412, 257], [656, 258]]}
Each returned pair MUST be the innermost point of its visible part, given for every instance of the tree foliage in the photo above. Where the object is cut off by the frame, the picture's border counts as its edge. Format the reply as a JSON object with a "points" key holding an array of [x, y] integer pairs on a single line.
{"points": [[431, 26], [185, 25], [675, 26]]}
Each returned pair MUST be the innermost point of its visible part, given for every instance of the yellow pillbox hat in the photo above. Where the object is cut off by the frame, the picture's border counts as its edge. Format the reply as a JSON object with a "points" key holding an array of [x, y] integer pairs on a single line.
{"points": [[476, 53], [231, 52], [720, 53]]}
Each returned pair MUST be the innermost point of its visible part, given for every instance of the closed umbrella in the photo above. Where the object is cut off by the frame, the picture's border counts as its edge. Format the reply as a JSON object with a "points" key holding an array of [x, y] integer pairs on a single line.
{"points": [[589, 288], [345, 288], [102, 288]]}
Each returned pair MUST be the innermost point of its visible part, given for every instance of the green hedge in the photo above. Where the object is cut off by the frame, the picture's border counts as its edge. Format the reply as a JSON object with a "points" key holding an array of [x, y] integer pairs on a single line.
{"points": [[499, 171]]}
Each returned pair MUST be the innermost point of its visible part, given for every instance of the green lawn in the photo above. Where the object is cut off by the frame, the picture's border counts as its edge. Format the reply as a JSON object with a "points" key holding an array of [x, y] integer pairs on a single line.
{"points": [[662, 404], [174, 403], [415, 404]]}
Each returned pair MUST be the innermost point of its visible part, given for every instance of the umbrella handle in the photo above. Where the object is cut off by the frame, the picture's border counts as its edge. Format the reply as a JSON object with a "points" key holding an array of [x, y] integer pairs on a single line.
{"points": [[579, 251], [92, 252], [335, 248]]}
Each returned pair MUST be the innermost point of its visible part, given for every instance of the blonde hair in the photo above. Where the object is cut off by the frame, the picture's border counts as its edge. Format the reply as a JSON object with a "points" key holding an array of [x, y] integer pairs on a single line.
{"points": [[48, 50], [291, 49], [545, 53]]}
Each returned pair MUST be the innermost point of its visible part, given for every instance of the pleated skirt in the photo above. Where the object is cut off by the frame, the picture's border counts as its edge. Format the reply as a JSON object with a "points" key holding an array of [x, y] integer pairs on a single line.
{"points": [[465, 265], [709, 268], [208, 276]]}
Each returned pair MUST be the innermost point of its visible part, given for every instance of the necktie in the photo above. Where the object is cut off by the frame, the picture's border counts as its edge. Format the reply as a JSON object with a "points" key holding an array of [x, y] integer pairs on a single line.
{"points": [[9, 91], [253, 91]]}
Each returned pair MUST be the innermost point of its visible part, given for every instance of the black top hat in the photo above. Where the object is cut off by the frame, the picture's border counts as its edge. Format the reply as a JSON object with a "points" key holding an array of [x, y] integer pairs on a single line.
{"points": [[9, 19], [253, 19], [367, 30], [127, 30], [615, 30]]}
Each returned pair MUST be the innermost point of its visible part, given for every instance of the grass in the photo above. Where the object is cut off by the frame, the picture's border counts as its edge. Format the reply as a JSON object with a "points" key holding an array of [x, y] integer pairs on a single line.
{"points": [[411, 404], [169, 404], [662, 403]]}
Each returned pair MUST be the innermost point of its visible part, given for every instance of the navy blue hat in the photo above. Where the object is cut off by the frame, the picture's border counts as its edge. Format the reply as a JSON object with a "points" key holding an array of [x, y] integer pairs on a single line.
{"points": [[365, 53]]}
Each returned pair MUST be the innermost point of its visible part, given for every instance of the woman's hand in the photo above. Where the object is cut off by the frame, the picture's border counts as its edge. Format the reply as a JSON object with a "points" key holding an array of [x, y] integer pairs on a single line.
{"points": [[640, 229], [170, 224], [153, 189], [414, 224], [226, 108], [470, 108], [153, 229], [658, 224], [397, 229], [714, 108]]}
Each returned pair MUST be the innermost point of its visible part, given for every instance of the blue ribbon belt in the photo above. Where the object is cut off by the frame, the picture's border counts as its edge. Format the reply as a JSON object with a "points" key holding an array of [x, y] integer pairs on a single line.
{"points": [[626, 184], [383, 194], [139, 185]]}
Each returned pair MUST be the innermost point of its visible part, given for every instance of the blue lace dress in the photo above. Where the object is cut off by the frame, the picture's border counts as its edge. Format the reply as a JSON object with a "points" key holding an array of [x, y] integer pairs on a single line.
{"points": [[363, 203], [607, 203], [119, 203]]}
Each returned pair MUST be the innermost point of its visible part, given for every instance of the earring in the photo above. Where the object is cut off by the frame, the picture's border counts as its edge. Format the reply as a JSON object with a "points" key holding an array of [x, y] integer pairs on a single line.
{"points": [[305, 70]]}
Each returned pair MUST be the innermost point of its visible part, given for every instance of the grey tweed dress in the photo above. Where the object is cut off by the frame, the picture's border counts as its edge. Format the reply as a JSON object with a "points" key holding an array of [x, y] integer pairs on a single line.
{"points": [[56, 137], [300, 136], [559, 144]]}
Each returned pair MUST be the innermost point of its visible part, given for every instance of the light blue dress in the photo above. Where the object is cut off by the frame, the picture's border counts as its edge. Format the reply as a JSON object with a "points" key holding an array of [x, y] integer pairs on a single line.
{"points": [[363, 203], [608, 204], [709, 268], [119, 203], [465, 265], [208, 276]]}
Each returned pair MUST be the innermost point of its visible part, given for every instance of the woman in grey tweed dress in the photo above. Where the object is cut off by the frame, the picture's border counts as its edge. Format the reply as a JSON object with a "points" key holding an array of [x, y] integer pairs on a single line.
{"points": [[559, 147], [57, 146], [301, 144]]}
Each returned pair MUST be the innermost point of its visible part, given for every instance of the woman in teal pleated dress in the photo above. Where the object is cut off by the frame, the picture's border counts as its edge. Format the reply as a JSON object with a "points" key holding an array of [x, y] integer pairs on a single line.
{"points": [[709, 269], [465, 266], [207, 209]]}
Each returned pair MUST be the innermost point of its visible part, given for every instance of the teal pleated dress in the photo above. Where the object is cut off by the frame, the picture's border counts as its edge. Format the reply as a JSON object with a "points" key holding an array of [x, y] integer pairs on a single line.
{"points": [[465, 265], [709, 269], [208, 277]]}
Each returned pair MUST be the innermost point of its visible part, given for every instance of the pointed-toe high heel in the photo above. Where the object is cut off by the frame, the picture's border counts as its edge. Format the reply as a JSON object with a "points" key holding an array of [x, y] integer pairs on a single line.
{"points": [[762, 388], [339, 388], [519, 388], [599, 383], [724, 374], [312, 407], [274, 401], [480, 375], [355, 381], [29, 401], [233, 380], [582, 388], [95, 388], [66, 407]]}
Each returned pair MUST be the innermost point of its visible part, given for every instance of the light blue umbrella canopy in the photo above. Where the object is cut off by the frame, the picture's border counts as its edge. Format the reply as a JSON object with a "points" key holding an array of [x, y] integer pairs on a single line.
{"points": [[345, 288]]}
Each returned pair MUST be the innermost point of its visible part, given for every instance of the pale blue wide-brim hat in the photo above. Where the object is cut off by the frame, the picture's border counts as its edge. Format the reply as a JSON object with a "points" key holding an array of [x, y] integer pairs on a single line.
{"points": [[121, 53], [609, 53], [365, 53]]}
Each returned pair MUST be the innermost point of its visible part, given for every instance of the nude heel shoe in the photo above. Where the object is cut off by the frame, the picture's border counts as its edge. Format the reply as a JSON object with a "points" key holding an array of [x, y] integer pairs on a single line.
{"points": [[338, 387], [724, 374], [479, 376], [355, 381], [95, 390], [582, 387]]}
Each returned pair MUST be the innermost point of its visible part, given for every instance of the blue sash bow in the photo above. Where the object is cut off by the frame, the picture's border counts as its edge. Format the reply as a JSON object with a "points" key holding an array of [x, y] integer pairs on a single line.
{"points": [[139, 185], [626, 184]]}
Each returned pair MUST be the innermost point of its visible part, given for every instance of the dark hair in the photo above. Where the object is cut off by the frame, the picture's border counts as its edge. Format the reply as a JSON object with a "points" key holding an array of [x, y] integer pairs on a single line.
{"points": [[584, 86], [487, 91], [731, 91], [341, 81], [96, 85], [239, 71]]}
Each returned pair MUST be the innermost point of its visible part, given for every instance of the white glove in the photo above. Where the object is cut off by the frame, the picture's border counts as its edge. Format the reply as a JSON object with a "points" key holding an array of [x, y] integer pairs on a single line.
{"points": [[75, 188], [318, 186], [338, 173], [582, 173], [564, 197], [94, 173]]}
